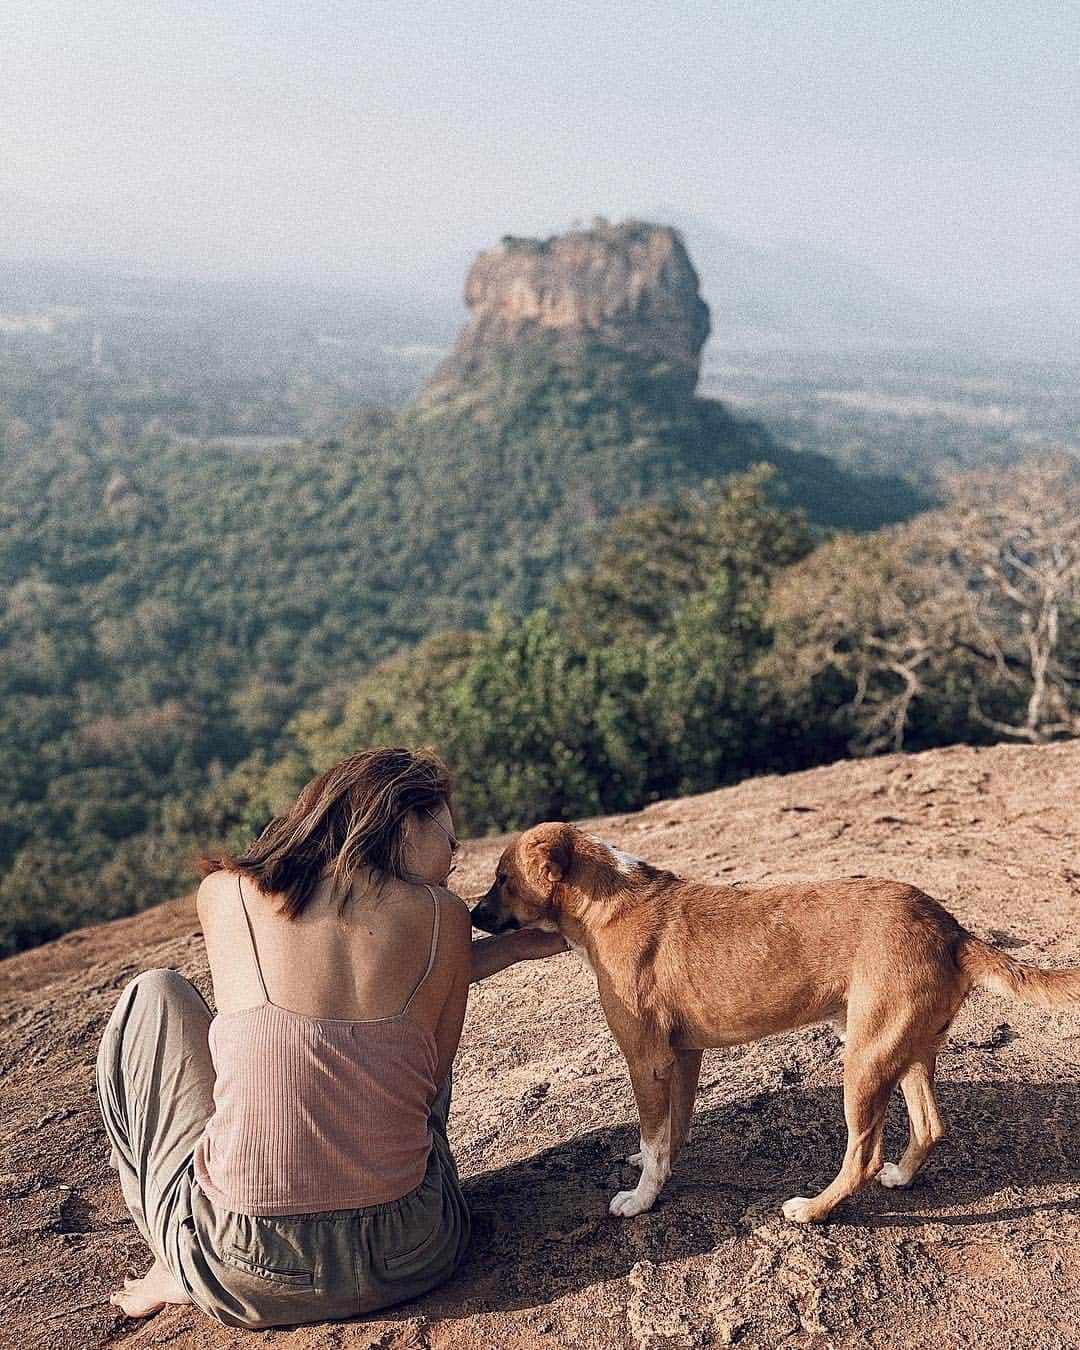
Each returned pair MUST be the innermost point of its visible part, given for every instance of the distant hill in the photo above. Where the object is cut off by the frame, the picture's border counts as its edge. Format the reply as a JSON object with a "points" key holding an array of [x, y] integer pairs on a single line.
{"points": [[589, 343], [792, 295]]}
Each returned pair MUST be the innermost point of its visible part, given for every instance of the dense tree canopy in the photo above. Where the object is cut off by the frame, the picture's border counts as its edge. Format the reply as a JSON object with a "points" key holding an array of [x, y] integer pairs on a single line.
{"points": [[187, 637]]}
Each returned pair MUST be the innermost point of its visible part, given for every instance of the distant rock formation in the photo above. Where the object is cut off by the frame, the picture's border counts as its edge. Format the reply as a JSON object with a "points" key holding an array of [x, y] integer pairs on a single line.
{"points": [[631, 286]]}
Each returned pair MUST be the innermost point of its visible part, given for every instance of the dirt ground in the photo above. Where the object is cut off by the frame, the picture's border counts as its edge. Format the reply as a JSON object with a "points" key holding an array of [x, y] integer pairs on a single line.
{"points": [[984, 1250]]}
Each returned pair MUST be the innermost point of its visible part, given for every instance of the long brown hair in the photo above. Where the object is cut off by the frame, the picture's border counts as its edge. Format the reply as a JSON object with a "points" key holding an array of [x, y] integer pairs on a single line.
{"points": [[351, 816]]}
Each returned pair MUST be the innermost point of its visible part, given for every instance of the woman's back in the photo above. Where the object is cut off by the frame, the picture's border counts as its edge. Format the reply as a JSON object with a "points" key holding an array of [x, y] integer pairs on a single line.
{"points": [[360, 961], [327, 1043]]}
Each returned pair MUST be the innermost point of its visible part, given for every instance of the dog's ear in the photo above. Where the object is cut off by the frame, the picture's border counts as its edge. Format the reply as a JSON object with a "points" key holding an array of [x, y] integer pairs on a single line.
{"points": [[549, 853]]}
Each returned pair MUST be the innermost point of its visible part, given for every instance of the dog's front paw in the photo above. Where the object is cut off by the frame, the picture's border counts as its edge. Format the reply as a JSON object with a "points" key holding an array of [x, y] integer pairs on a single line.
{"points": [[891, 1175], [628, 1203], [798, 1209]]}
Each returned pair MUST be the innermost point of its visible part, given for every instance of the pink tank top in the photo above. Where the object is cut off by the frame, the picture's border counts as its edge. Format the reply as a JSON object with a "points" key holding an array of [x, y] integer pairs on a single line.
{"points": [[316, 1113]]}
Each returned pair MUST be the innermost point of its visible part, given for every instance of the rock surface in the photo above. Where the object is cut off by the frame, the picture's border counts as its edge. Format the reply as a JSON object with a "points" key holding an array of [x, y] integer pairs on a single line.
{"points": [[632, 286], [984, 1250]]}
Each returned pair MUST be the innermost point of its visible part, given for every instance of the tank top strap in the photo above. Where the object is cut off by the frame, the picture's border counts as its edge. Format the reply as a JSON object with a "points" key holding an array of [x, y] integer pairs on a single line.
{"points": [[431, 953], [251, 934]]}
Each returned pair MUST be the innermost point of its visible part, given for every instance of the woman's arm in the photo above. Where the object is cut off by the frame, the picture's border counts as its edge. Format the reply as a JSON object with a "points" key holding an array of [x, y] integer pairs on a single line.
{"points": [[454, 943], [492, 954]]}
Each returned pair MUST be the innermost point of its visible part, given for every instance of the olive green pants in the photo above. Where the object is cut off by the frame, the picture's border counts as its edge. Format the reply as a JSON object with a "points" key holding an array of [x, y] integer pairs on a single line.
{"points": [[155, 1083]]}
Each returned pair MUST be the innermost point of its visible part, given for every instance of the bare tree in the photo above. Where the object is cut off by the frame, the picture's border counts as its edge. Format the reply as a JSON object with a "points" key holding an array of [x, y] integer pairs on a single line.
{"points": [[976, 602], [1016, 534], [880, 610]]}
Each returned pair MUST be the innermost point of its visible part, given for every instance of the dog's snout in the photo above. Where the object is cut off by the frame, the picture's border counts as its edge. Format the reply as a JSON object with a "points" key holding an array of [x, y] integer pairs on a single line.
{"points": [[482, 919], [490, 917]]}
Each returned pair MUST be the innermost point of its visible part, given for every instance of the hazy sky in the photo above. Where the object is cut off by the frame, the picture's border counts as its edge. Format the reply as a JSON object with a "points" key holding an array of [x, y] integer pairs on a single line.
{"points": [[388, 142]]}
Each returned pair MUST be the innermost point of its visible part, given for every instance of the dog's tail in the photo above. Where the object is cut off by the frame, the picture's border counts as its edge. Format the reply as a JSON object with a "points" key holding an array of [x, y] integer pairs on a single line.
{"points": [[991, 969]]}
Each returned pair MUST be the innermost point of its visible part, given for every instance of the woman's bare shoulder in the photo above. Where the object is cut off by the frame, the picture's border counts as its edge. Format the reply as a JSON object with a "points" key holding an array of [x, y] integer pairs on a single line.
{"points": [[455, 923], [218, 893], [453, 911], [455, 926], [212, 888]]}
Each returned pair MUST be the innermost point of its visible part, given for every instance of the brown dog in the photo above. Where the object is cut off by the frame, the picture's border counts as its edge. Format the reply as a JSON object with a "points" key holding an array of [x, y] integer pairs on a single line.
{"points": [[683, 966]]}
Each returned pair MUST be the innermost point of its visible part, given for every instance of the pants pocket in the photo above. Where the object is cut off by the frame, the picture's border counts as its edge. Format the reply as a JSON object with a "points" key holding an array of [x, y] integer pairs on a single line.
{"points": [[272, 1277], [414, 1254]]}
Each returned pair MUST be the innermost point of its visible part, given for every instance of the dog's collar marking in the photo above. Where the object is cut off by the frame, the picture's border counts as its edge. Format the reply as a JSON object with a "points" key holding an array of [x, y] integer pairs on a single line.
{"points": [[625, 862]]}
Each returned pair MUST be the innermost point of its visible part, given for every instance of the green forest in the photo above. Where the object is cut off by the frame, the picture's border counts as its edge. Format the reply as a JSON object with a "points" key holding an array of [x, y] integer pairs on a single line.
{"points": [[586, 592]]}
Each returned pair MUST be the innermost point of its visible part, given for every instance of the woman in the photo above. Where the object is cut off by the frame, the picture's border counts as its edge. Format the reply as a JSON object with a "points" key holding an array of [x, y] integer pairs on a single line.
{"points": [[287, 1160]]}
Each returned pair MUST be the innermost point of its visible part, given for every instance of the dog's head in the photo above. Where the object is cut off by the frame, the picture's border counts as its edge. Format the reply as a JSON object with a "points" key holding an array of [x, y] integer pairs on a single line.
{"points": [[527, 879]]}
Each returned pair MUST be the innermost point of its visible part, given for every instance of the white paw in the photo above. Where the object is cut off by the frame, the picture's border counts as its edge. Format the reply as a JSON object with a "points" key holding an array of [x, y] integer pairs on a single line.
{"points": [[891, 1175], [797, 1209], [635, 1159], [628, 1203]]}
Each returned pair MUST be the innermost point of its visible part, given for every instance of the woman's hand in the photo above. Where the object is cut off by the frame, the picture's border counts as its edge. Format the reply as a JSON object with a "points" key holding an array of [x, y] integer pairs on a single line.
{"points": [[492, 954]]}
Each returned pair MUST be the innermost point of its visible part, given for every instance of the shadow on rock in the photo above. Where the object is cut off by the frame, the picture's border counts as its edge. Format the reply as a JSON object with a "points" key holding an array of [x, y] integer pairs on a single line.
{"points": [[541, 1227]]}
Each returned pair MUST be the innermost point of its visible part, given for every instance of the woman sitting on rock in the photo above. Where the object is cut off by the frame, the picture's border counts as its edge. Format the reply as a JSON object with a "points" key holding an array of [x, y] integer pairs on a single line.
{"points": [[287, 1160]]}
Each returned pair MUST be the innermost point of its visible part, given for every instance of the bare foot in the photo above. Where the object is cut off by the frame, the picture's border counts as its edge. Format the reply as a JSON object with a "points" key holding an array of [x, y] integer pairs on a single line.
{"points": [[140, 1298]]}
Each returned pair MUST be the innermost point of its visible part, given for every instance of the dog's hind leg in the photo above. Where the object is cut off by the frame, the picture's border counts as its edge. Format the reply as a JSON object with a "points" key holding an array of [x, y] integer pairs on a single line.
{"points": [[870, 1075], [651, 1080], [926, 1129]]}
